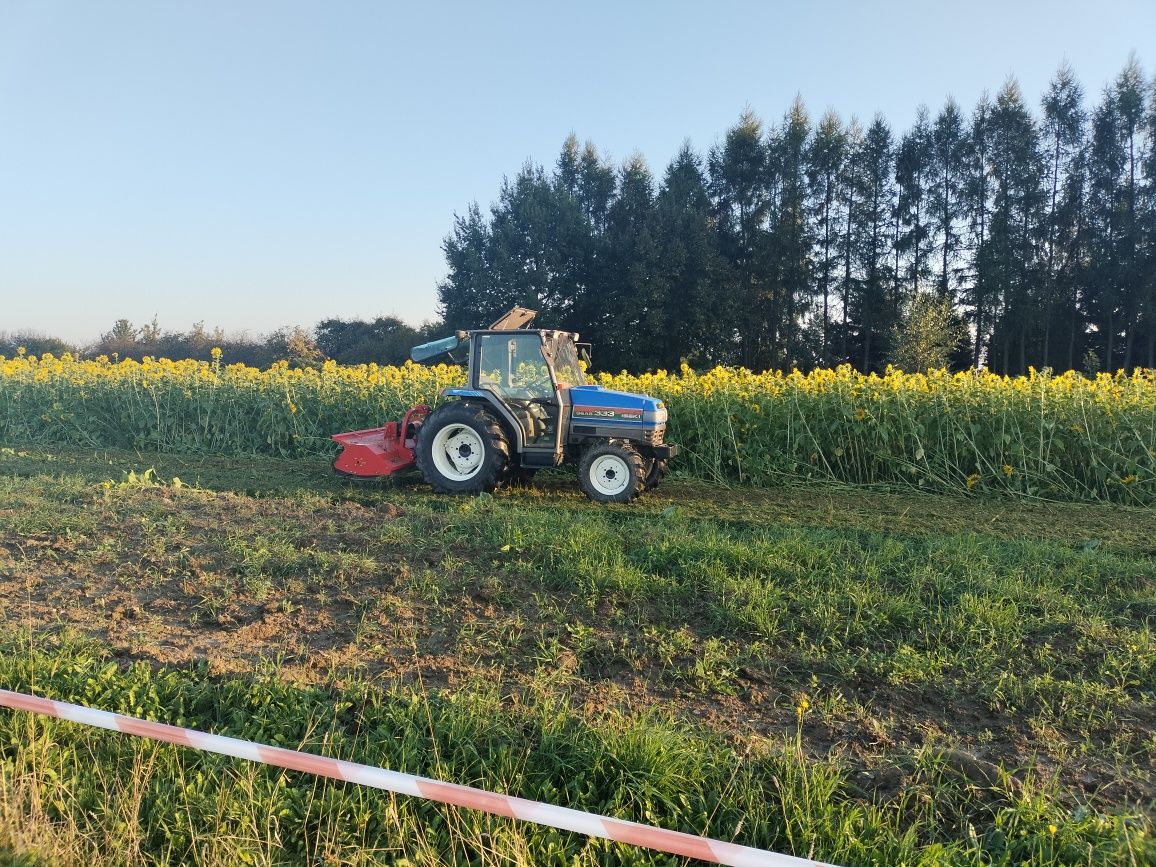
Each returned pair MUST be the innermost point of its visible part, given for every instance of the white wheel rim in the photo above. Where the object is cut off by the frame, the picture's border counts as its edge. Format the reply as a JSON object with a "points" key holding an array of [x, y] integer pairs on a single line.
{"points": [[458, 452], [609, 474]]}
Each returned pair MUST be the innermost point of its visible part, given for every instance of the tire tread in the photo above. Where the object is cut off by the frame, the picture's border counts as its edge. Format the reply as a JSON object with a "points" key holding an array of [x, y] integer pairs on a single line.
{"points": [[633, 458], [497, 448]]}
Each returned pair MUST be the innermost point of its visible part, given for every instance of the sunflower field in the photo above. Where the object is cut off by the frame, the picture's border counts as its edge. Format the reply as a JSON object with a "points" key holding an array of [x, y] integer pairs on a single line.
{"points": [[1069, 436]]}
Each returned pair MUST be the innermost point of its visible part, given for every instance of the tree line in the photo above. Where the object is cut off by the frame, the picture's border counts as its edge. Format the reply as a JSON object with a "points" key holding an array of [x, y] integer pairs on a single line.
{"points": [[1030, 236], [383, 340], [1001, 237]]}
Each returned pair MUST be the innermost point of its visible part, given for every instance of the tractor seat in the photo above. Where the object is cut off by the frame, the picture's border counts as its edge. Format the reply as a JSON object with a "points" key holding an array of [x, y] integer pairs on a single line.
{"points": [[532, 417]]}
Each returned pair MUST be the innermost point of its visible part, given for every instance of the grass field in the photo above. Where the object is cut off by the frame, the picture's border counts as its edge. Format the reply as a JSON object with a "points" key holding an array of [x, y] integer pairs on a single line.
{"points": [[866, 678]]}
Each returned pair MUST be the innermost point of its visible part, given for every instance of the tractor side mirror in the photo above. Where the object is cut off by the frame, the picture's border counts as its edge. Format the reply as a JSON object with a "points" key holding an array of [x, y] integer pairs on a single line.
{"points": [[584, 353]]}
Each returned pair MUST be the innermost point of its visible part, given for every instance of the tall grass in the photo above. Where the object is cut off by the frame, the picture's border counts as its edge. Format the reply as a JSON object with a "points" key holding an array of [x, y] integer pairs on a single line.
{"points": [[69, 794], [1053, 436], [205, 407], [1065, 437]]}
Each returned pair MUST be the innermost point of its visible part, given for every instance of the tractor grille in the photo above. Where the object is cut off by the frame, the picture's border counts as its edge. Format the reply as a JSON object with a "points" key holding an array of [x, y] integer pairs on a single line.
{"points": [[654, 437]]}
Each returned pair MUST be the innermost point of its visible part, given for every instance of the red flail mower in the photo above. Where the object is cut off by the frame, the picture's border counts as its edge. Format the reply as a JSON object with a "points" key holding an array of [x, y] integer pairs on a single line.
{"points": [[380, 451]]}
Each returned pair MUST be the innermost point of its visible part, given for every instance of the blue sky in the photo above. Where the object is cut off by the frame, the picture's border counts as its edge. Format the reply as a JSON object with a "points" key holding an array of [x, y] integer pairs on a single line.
{"points": [[259, 164]]}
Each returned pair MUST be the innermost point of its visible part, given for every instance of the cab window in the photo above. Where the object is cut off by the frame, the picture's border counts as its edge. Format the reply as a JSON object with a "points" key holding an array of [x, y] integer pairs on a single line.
{"points": [[513, 366]]}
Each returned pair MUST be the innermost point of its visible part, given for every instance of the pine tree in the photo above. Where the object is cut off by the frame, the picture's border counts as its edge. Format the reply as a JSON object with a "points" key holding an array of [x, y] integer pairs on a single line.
{"points": [[913, 173], [567, 170], [467, 295], [1074, 243], [979, 295], [121, 341], [1130, 104], [790, 237], [738, 175], [1016, 175], [1063, 136], [701, 314], [536, 250], [583, 185], [945, 192], [1101, 295], [851, 183], [825, 175], [596, 186], [874, 308], [635, 302]]}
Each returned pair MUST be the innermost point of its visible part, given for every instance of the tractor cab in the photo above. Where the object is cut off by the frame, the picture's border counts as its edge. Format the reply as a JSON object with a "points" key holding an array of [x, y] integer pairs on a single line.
{"points": [[530, 373], [526, 405]]}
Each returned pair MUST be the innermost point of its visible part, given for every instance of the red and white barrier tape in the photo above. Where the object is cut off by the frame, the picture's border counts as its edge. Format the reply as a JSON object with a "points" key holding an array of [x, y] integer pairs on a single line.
{"points": [[591, 824]]}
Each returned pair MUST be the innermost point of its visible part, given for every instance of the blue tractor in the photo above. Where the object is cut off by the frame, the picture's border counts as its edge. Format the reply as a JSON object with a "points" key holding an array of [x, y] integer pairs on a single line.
{"points": [[526, 406]]}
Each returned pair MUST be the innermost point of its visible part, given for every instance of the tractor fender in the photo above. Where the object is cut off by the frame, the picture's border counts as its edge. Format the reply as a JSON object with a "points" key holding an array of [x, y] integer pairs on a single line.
{"points": [[505, 418]]}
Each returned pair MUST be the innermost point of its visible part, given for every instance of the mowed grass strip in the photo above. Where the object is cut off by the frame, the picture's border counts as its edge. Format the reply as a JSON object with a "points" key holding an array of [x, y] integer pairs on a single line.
{"points": [[949, 680]]}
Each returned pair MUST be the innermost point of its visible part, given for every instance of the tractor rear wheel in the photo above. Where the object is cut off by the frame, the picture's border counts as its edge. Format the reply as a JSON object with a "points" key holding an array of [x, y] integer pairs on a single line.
{"points": [[461, 449], [611, 472]]}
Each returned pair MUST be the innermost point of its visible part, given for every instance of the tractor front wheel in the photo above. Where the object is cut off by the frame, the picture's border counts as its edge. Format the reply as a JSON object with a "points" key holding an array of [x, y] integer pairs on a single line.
{"points": [[461, 449], [611, 472]]}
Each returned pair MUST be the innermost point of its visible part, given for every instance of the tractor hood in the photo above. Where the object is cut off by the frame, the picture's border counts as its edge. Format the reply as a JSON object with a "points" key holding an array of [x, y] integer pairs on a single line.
{"points": [[616, 407]]}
